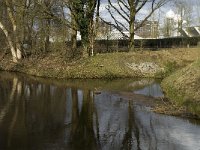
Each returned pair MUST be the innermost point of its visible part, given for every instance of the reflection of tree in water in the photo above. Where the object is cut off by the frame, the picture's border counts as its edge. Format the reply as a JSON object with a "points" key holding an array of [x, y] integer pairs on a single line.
{"points": [[82, 129], [11, 110], [28, 110], [127, 142], [33, 115], [134, 137], [45, 109]]}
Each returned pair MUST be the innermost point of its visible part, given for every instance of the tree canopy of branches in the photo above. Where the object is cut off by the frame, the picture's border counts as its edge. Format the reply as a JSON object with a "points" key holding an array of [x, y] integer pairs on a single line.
{"points": [[28, 25], [32, 25], [127, 10], [184, 10], [39, 26]]}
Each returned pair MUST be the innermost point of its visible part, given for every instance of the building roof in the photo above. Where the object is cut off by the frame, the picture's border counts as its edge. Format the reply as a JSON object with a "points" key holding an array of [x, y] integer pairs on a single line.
{"points": [[190, 31], [116, 35]]}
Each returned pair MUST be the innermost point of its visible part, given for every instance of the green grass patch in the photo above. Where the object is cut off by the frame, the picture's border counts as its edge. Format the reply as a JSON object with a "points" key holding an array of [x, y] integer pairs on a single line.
{"points": [[183, 87]]}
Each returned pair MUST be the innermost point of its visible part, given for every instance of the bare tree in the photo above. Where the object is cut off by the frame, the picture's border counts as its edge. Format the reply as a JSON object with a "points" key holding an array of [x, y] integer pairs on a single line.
{"points": [[197, 9], [168, 27], [184, 11], [128, 10]]}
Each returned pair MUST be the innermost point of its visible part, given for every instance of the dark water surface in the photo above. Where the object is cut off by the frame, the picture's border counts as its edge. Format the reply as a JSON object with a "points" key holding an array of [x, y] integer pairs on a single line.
{"points": [[44, 114]]}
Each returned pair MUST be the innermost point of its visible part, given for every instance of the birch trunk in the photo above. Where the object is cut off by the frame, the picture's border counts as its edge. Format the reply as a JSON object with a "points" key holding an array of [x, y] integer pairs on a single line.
{"points": [[10, 43], [15, 45], [91, 38]]}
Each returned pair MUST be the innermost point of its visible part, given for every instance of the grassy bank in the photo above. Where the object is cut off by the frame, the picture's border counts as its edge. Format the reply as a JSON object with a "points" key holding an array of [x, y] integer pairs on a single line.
{"points": [[183, 88], [113, 65]]}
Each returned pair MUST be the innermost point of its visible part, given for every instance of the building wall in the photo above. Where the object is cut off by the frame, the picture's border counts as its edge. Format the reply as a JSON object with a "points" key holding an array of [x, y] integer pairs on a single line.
{"points": [[148, 30]]}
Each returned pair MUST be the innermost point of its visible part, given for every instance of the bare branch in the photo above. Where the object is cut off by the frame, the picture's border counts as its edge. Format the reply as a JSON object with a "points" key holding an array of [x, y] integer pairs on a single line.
{"points": [[125, 4], [115, 26], [154, 7], [138, 8], [118, 23], [122, 9], [117, 10]]}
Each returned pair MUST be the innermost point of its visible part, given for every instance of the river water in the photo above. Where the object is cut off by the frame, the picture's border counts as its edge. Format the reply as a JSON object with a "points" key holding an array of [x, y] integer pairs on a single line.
{"points": [[47, 114]]}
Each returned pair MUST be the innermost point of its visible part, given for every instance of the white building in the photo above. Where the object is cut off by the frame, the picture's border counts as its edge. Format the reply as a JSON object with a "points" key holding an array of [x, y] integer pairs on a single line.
{"points": [[112, 35]]}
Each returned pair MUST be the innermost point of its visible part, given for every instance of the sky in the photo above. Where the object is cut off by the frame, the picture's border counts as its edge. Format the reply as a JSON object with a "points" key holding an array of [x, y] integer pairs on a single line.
{"points": [[193, 5]]}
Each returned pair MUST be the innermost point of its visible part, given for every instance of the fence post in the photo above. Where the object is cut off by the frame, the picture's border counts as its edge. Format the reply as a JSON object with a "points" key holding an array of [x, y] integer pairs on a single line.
{"points": [[107, 43]]}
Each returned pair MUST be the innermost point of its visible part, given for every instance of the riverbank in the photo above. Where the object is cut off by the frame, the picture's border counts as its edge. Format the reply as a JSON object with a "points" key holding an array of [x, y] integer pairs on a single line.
{"points": [[183, 88], [156, 64]]}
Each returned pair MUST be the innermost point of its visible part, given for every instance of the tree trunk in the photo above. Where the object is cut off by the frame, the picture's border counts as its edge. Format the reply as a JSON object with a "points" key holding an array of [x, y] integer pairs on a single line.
{"points": [[10, 43], [91, 46], [131, 25], [85, 43], [47, 35], [84, 16], [18, 51], [15, 47], [91, 38], [131, 39], [74, 42], [73, 35], [87, 35]]}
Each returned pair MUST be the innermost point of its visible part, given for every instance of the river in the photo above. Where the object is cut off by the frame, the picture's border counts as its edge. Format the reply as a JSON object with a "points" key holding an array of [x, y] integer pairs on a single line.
{"points": [[50, 114]]}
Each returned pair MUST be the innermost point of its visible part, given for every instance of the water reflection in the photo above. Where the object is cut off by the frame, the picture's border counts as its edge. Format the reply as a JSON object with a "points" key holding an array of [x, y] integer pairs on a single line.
{"points": [[153, 90], [82, 131], [34, 115]]}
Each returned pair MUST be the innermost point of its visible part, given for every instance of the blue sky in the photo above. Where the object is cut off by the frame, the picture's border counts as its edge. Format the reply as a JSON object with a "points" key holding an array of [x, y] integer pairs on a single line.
{"points": [[194, 5]]}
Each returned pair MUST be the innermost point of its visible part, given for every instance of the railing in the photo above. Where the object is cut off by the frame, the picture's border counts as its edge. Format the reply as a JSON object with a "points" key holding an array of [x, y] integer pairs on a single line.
{"points": [[107, 46]]}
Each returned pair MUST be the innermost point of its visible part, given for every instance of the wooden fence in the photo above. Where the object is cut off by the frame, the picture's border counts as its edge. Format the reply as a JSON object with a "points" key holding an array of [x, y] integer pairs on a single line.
{"points": [[106, 46]]}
